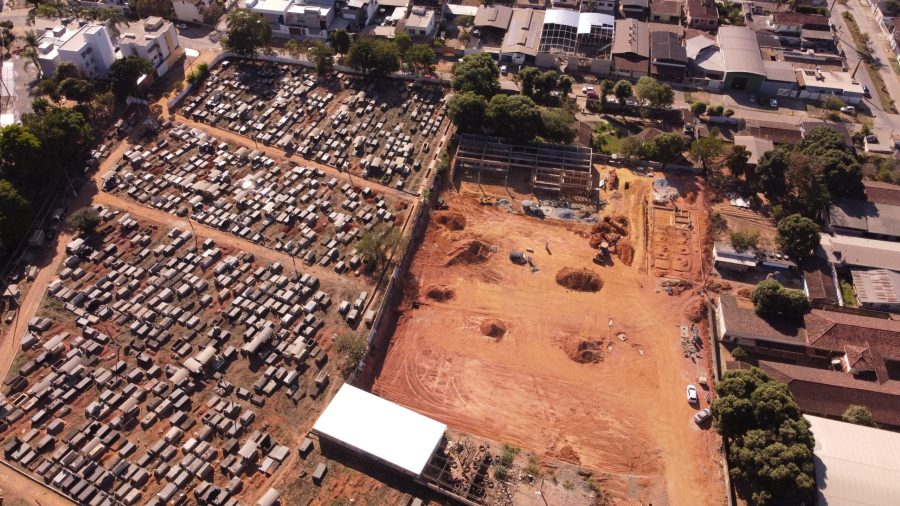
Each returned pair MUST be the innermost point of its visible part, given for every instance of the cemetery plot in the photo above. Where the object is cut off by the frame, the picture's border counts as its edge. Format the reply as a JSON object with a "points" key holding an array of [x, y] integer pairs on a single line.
{"points": [[295, 209], [164, 365], [388, 131]]}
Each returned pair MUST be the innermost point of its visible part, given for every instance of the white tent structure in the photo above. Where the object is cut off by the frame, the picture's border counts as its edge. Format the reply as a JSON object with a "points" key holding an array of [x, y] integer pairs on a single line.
{"points": [[386, 432]]}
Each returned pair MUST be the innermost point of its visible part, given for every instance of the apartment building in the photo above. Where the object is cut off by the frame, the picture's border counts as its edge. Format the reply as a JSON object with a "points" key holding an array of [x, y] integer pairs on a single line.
{"points": [[156, 40], [89, 47]]}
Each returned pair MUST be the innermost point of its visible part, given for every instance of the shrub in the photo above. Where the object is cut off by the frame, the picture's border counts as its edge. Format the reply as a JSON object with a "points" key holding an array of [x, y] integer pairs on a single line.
{"points": [[742, 241], [698, 108], [715, 110]]}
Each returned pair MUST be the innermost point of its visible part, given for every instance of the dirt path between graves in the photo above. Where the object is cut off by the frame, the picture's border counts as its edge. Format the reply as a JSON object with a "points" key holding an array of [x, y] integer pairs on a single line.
{"points": [[230, 136], [26, 491]]}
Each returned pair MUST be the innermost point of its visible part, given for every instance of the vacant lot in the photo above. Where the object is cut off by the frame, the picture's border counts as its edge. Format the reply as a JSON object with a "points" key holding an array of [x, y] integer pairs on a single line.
{"points": [[504, 351]]}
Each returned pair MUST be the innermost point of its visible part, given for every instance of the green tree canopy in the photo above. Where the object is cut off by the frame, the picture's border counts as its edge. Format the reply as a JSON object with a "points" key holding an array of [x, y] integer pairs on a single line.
{"points": [[737, 160], [770, 173], [477, 73], [622, 91], [526, 78], [653, 93], [669, 147], [798, 237], [16, 215], [323, 57], [374, 56], [770, 297], [467, 111], [79, 90], [771, 459], [515, 117], [247, 32], [698, 108], [859, 415], [558, 125], [340, 41], [124, 73], [706, 149], [84, 220], [420, 58]]}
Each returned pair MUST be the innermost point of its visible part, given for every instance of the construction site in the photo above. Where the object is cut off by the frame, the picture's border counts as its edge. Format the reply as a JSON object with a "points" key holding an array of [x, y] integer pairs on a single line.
{"points": [[565, 330]]}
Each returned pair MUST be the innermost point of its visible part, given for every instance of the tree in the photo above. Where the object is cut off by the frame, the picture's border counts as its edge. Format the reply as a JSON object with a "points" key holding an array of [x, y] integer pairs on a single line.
{"points": [[66, 70], [565, 84], [622, 90], [770, 173], [403, 42], [798, 237], [420, 58], [247, 32], [477, 73], [212, 14], [373, 56], [124, 73], [295, 48], [706, 149], [739, 354], [526, 78], [606, 88], [742, 241], [841, 170], [323, 57], [85, 220], [669, 147], [859, 415], [558, 125], [145, 8], [544, 83], [31, 49], [831, 103], [16, 215], [79, 90], [373, 247], [340, 41], [698, 108], [467, 111], [630, 147], [653, 93], [353, 348], [515, 117], [71, 136], [771, 459], [737, 160], [6, 35], [770, 297]]}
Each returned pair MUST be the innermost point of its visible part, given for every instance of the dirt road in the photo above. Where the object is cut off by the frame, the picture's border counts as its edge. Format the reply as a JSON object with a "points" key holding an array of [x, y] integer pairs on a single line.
{"points": [[14, 485], [624, 417]]}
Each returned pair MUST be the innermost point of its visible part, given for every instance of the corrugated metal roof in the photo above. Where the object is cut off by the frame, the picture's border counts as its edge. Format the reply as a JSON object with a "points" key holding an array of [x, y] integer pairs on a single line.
{"points": [[740, 50]]}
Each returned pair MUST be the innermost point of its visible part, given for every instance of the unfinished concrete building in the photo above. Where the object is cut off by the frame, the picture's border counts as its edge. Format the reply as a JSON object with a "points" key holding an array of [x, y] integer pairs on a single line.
{"points": [[550, 168]]}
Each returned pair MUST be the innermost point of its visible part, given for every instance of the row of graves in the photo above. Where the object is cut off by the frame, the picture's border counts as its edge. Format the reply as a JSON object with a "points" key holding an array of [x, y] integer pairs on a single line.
{"points": [[383, 131], [299, 210], [149, 373]]}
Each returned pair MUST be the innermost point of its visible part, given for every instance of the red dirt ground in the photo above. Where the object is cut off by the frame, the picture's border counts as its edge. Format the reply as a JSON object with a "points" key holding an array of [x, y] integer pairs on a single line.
{"points": [[624, 417]]}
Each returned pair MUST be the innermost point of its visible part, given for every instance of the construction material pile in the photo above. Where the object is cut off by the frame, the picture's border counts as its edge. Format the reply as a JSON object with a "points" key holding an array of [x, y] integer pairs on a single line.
{"points": [[440, 293], [610, 230], [470, 252], [450, 220], [493, 328]]}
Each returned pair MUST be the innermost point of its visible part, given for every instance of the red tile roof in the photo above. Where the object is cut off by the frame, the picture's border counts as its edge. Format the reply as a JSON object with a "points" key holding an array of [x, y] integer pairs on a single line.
{"points": [[832, 330], [702, 9], [882, 193], [799, 19], [824, 392]]}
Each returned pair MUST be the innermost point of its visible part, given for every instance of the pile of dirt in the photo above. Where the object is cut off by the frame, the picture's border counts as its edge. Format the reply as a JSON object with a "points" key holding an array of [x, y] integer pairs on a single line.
{"points": [[744, 292], [676, 286], [584, 351], [610, 229], [718, 286], [625, 252], [450, 220], [580, 280], [440, 293], [567, 454], [696, 312], [493, 328], [470, 252]]}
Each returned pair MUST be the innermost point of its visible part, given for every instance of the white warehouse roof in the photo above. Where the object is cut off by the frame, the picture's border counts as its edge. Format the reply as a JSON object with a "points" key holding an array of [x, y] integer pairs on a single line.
{"points": [[855, 465], [388, 432], [740, 50]]}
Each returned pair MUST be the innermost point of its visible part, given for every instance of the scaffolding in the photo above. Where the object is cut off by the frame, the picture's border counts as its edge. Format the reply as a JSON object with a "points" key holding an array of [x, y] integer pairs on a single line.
{"points": [[552, 168], [460, 472]]}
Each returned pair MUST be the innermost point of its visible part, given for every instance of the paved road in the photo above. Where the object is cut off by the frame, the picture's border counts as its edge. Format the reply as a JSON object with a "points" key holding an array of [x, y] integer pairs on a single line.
{"points": [[882, 54]]}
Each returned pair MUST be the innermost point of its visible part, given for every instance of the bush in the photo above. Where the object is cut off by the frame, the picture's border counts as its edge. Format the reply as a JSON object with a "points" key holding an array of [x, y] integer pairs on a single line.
{"points": [[85, 220], [859, 415], [728, 113], [698, 108], [742, 241], [739, 354], [831, 103], [715, 110], [798, 237], [770, 297]]}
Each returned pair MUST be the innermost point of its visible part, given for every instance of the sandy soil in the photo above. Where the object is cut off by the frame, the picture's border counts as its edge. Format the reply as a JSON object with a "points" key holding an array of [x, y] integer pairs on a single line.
{"points": [[625, 416]]}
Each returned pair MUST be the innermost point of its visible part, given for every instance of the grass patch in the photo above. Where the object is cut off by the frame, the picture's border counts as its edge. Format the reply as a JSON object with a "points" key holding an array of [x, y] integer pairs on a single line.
{"points": [[606, 139], [848, 294], [887, 103], [895, 65]]}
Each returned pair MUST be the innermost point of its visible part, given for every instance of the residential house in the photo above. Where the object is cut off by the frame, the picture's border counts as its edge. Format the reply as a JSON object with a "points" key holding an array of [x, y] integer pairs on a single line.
{"points": [[302, 18], [775, 131], [702, 14], [877, 217], [420, 22], [637, 9], [792, 23], [668, 58], [88, 47], [665, 11], [631, 48], [154, 39], [359, 13], [756, 146], [601, 6], [781, 79], [192, 11]]}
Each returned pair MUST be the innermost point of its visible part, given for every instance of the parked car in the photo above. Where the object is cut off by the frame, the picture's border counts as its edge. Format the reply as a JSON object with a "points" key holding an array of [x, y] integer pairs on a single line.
{"points": [[701, 416], [181, 26], [773, 103], [504, 69], [849, 109], [692, 394]]}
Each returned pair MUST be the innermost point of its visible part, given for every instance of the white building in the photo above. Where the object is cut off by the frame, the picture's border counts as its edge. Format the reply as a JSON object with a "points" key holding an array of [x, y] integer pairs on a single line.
{"points": [[89, 48], [359, 13], [420, 22], [303, 18], [156, 40], [191, 11]]}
